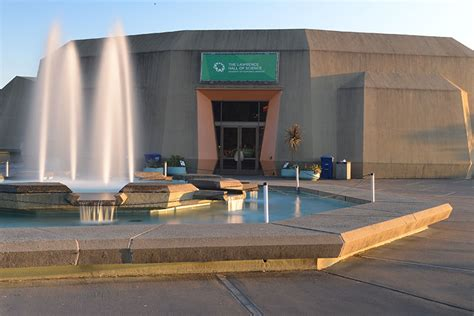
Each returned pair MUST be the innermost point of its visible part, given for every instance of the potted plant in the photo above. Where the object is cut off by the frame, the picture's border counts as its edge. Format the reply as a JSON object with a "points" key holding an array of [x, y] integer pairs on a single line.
{"points": [[293, 139], [310, 172], [153, 166], [176, 165]]}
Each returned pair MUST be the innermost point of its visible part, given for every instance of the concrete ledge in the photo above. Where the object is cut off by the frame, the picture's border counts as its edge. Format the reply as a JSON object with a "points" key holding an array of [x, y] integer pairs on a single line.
{"points": [[157, 187], [392, 229], [192, 243], [35, 196], [35, 201], [34, 187], [317, 240], [141, 270], [154, 195], [216, 183]]}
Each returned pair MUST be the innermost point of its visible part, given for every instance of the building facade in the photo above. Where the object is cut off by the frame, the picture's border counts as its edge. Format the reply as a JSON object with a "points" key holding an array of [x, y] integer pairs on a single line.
{"points": [[400, 106]]}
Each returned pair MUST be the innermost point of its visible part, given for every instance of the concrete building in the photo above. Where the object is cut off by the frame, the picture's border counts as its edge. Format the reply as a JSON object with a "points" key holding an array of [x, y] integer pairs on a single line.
{"points": [[15, 99], [400, 106]]}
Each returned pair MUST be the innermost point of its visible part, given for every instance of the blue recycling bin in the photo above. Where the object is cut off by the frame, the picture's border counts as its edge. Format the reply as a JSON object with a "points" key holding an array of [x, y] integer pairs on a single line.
{"points": [[327, 163]]}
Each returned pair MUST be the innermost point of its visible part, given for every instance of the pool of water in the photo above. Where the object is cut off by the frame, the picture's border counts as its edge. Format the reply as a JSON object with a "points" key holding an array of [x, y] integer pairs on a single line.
{"points": [[284, 204]]}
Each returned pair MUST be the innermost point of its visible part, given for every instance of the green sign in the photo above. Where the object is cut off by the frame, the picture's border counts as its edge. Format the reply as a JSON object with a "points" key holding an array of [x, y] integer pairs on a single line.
{"points": [[239, 67]]}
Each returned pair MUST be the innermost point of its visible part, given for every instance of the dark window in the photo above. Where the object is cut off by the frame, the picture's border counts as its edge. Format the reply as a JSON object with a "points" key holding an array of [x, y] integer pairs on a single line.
{"points": [[235, 111], [216, 109], [218, 140]]}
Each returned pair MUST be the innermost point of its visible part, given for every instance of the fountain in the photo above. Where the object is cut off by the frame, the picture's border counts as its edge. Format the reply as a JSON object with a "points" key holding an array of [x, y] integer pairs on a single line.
{"points": [[60, 133], [58, 125], [82, 141]]}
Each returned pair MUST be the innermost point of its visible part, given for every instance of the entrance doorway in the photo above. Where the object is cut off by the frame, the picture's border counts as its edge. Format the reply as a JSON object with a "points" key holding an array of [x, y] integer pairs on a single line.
{"points": [[239, 133]]}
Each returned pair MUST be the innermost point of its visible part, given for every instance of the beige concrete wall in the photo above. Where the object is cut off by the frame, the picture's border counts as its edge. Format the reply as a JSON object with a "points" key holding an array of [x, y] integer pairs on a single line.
{"points": [[324, 114], [295, 105], [459, 70], [14, 113], [451, 162], [350, 128], [415, 134]]}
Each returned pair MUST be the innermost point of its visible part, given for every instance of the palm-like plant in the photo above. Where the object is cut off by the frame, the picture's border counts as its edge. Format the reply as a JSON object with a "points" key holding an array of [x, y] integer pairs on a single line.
{"points": [[293, 139]]}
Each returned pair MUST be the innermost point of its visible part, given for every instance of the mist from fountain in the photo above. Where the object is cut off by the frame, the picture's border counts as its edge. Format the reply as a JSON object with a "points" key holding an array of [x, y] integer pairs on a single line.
{"points": [[43, 94], [74, 98], [59, 103], [113, 111], [59, 130]]}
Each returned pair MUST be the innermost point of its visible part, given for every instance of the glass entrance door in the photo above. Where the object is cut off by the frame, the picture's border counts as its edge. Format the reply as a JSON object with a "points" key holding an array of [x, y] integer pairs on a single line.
{"points": [[230, 148], [239, 127], [248, 144], [238, 149]]}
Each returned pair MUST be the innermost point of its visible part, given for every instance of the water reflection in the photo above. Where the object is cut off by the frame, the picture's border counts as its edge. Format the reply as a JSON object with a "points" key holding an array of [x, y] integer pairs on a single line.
{"points": [[235, 219], [235, 204], [297, 206], [253, 195], [253, 206]]}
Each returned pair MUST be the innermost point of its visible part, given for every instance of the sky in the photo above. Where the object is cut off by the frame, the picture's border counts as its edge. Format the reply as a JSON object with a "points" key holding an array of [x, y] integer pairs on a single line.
{"points": [[24, 24]]}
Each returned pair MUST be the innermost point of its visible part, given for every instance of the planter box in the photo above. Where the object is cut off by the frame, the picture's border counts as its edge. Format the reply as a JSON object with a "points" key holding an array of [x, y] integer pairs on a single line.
{"points": [[176, 170], [309, 175], [304, 174], [288, 173], [153, 170]]}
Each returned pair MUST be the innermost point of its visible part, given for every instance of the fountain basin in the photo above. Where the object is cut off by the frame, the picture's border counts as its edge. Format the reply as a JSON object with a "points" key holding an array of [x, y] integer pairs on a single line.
{"points": [[217, 183], [30, 196], [318, 240], [44, 196], [106, 199], [156, 195]]}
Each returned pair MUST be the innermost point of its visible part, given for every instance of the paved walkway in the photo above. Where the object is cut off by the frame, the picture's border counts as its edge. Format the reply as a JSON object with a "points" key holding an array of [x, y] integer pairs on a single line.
{"points": [[428, 273]]}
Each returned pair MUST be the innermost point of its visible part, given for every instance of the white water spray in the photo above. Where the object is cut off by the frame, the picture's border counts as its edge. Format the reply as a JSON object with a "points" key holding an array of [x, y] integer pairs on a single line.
{"points": [[113, 111], [59, 102], [74, 89], [59, 127], [44, 92]]}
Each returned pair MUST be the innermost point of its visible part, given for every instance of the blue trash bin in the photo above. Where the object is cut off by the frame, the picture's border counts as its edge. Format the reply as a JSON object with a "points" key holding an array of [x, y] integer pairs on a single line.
{"points": [[327, 163]]}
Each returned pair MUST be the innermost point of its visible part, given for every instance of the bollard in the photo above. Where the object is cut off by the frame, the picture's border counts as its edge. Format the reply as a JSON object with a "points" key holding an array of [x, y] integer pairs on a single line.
{"points": [[297, 179], [265, 202], [372, 178], [165, 169], [7, 169]]}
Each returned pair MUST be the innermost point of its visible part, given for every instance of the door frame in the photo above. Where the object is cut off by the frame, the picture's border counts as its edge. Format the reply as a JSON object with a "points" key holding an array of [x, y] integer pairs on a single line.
{"points": [[239, 126]]}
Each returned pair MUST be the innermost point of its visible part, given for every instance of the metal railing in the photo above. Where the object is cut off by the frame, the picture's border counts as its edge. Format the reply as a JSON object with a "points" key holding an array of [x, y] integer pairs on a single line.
{"points": [[7, 168]]}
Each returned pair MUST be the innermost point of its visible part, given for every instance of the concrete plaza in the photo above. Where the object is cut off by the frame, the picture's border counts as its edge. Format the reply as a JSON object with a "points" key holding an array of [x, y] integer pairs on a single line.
{"points": [[428, 273]]}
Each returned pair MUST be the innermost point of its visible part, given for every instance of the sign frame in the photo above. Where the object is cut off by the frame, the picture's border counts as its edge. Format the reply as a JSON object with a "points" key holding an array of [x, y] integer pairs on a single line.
{"points": [[266, 82]]}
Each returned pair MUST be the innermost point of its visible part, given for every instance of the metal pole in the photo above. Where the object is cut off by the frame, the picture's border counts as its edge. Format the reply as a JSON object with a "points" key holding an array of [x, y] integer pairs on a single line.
{"points": [[372, 178], [165, 169], [265, 202], [297, 179], [7, 169]]}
